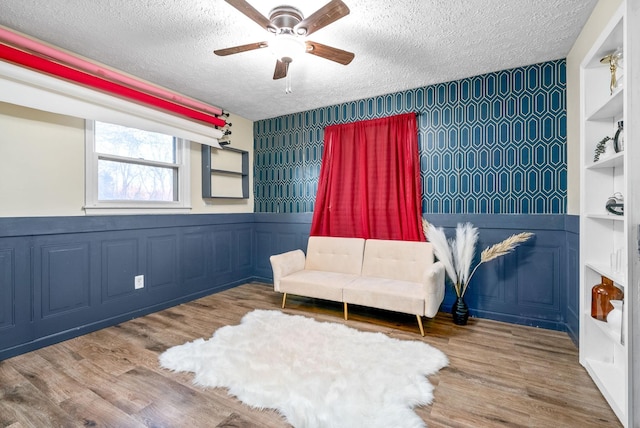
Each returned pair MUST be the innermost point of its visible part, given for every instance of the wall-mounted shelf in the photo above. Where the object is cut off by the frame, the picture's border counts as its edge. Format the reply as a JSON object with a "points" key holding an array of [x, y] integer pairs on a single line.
{"points": [[225, 173]]}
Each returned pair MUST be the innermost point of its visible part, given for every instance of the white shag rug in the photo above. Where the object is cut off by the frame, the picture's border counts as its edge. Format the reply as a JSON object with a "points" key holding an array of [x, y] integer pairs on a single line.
{"points": [[316, 374]]}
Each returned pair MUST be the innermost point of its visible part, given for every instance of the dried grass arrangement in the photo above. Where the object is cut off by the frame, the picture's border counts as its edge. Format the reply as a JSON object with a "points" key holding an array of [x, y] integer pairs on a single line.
{"points": [[457, 254]]}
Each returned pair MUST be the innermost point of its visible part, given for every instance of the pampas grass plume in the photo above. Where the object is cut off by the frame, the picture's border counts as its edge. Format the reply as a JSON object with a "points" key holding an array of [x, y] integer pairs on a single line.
{"points": [[441, 249], [464, 248], [504, 247], [457, 255], [498, 250]]}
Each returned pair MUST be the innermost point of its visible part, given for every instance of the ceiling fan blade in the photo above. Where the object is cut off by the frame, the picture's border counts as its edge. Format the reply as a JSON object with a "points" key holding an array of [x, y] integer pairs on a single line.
{"points": [[328, 52], [238, 49], [322, 17], [281, 70], [250, 12]]}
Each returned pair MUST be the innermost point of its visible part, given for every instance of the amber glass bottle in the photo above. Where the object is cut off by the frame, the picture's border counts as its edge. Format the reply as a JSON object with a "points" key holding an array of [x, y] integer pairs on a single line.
{"points": [[601, 294]]}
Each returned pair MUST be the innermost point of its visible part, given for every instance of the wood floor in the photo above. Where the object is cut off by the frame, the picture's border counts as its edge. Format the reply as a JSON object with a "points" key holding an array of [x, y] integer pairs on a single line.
{"points": [[500, 375]]}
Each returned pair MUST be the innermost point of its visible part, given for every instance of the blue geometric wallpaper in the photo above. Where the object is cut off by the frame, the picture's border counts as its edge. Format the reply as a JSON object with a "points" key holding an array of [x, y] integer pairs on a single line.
{"points": [[494, 143]]}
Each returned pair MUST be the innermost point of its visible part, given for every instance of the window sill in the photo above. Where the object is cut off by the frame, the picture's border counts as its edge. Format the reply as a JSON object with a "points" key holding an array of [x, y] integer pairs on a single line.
{"points": [[135, 210]]}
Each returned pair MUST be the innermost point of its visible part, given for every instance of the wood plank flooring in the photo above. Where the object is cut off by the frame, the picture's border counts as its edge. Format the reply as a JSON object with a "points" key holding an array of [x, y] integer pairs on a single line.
{"points": [[500, 375]]}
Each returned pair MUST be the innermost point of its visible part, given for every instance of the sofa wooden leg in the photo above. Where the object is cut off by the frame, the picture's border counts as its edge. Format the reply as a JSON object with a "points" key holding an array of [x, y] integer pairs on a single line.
{"points": [[284, 299], [346, 312], [420, 324]]}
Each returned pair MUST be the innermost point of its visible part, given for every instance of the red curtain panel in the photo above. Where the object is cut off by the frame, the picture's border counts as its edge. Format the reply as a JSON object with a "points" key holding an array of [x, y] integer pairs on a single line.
{"points": [[369, 184]]}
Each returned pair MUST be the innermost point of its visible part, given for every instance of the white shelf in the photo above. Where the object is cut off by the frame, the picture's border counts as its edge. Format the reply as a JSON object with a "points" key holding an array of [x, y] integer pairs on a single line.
{"points": [[608, 331], [605, 270], [612, 161], [605, 216], [611, 380], [612, 107]]}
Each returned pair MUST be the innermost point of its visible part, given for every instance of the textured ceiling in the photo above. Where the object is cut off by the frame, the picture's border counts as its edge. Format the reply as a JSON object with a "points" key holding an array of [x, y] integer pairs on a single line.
{"points": [[398, 44]]}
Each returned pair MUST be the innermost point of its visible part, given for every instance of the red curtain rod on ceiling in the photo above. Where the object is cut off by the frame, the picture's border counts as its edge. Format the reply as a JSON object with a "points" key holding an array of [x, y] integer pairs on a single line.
{"points": [[29, 60], [47, 52]]}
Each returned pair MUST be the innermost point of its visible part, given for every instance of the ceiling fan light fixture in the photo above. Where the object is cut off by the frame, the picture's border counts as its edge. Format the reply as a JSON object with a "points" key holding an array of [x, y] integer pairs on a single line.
{"points": [[290, 29], [287, 46]]}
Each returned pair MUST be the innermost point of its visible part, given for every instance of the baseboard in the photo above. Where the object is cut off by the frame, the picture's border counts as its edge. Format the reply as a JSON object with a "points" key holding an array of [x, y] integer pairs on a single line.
{"points": [[513, 319], [108, 322]]}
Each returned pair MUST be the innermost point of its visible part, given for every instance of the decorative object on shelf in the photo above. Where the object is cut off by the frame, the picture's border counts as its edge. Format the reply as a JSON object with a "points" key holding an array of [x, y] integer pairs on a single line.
{"points": [[615, 260], [615, 204], [618, 54], [601, 296], [457, 257], [618, 139], [614, 318], [603, 149], [613, 59]]}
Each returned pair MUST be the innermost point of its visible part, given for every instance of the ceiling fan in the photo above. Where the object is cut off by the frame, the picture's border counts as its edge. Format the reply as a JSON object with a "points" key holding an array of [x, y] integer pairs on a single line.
{"points": [[290, 29]]}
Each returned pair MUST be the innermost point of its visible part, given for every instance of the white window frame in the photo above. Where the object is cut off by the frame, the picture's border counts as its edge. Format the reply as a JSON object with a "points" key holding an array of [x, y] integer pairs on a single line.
{"points": [[95, 206]]}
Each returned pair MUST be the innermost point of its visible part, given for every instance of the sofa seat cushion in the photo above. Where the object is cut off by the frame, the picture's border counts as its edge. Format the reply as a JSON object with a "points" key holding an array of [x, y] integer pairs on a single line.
{"points": [[388, 294], [318, 284]]}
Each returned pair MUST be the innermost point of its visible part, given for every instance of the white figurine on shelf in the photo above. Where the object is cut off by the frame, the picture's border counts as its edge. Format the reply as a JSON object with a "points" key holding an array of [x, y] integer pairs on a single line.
{"points": [[609, 150], [614, 318]]}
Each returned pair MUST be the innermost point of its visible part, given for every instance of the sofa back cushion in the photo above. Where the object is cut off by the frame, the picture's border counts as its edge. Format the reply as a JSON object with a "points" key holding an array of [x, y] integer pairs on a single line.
{"points": [[340, 255], [402, 260]]}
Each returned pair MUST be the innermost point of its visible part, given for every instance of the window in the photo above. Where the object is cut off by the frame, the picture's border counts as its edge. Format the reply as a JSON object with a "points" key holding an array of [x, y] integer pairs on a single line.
{"points": [[129, 170]]}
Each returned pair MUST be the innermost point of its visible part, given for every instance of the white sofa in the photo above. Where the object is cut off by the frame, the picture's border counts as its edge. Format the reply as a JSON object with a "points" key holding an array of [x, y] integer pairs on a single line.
{"points": [[398, 276]]}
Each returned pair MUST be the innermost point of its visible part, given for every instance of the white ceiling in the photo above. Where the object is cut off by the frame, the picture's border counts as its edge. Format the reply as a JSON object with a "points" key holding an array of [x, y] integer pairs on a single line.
{"points": [[398, 44]]}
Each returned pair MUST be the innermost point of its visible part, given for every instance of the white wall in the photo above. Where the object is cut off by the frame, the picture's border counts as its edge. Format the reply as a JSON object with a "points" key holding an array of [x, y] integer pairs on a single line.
{"points": [[42, 165], [601, 15]]}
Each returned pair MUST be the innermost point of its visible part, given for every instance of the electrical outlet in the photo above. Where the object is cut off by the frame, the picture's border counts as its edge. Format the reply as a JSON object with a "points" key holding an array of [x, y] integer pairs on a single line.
{"points": [[139, 282]]}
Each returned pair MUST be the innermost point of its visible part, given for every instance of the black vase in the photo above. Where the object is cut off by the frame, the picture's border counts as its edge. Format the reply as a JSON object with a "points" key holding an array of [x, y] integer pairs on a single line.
{"points": [[460, 312]]}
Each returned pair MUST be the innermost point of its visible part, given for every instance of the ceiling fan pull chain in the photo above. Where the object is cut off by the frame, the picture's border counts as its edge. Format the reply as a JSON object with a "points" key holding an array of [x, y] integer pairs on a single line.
{"points": [[287, 84]]}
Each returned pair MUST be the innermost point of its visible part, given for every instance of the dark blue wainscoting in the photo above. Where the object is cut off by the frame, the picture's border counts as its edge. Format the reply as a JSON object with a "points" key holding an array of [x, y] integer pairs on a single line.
{"points": [[278, 233], [65, 276], [535, 285], [61, 277]]}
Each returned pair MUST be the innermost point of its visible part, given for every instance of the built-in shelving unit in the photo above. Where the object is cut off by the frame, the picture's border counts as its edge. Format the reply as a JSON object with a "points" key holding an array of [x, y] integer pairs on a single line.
{"points": [[225, 173], [607, 353]]}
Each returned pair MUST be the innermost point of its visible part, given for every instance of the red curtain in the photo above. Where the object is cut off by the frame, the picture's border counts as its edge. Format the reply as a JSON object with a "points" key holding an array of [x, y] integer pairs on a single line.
{"points": [[369, 184]]}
